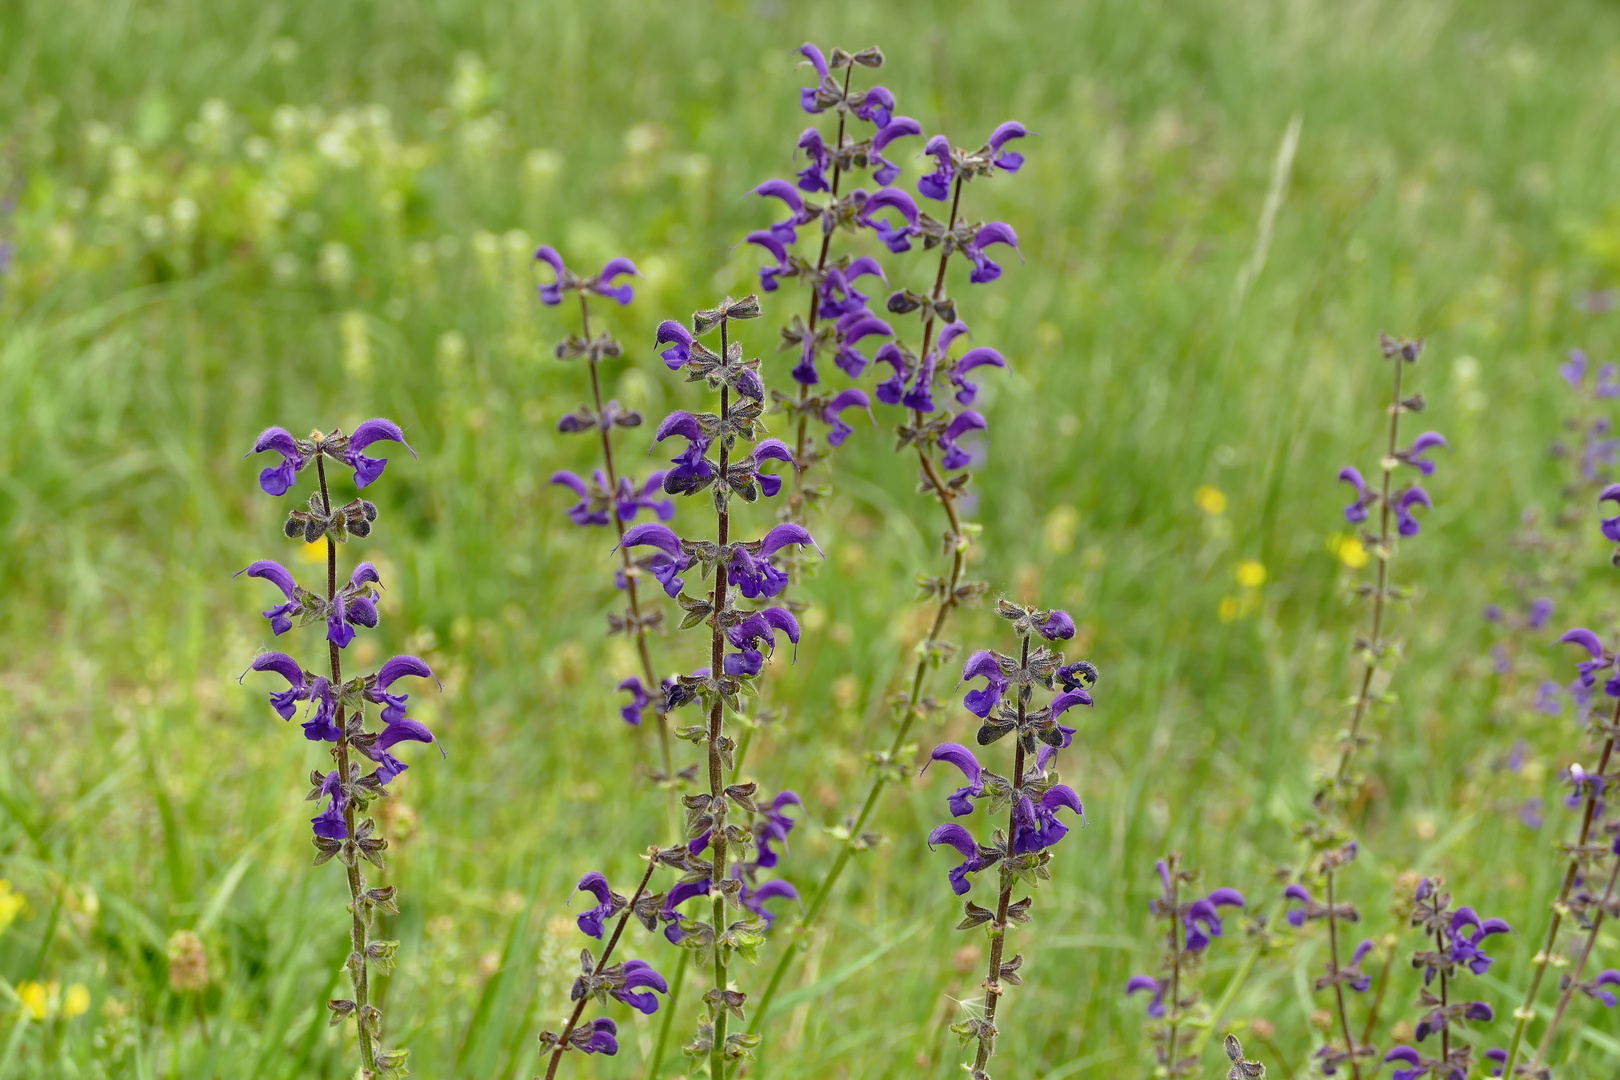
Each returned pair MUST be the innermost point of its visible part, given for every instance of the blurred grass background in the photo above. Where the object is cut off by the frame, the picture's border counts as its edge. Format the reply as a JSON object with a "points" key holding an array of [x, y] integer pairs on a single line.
{"points": [[232, 215]]}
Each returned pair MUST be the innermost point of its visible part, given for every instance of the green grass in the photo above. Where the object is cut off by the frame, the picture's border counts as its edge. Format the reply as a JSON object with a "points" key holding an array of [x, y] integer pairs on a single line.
{"points": [[1453, 178]]}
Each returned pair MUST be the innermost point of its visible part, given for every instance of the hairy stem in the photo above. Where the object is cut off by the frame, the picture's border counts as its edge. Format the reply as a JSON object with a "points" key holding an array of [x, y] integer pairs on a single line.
{"points": [[607, 954], [357, 886], [1175, 973], [717, 727], [913, 705], [1445, 998], [648, 674], [1527, 1011], [1580, 969], [1338, 987], [998, 937]]}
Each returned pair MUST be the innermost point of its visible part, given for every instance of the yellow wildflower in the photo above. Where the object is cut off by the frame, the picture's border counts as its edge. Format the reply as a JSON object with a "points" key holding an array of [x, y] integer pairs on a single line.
{"points": [[1251, 574], [76, 1002], [1211, 500]]}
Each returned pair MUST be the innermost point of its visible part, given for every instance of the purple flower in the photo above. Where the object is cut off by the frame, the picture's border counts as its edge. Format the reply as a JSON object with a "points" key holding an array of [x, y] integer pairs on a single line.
{"points": [[277, 479], [1005, 133], [639, 974], [768, 274], [967, 392], [1413, 455], [897, 127], [807, 94], [891, 390], [837, 294], [391, 672], [607, 904], [877, 106], [960, 839], [285, 702], [319, 727], [756, 577], [980, 702], [786, 231], [758, 629], [329, 824], [1547, 698], [754, 899], [1611, 526], [639, 700], [898, 240], [367, 469], [281, 615], [602, 1040], [1036, 826], [1356, 512], [630, 500], [960, 800], [986, 270], [1362, 983], [774, 827], [966, 421], [1412, 496], [813, 177], [1589, 641], [1574, 371], [1156, 987], [1417, 1064], [1298, 894], [851, 329], [937, 184], [582, 512], [601, 284], [680, 894], [841, 401], [1540, 611], [1202, 917], [1609, 977], [1493, 613], [1465, 949], [664, 539], [679, 340], [1060, 627]]}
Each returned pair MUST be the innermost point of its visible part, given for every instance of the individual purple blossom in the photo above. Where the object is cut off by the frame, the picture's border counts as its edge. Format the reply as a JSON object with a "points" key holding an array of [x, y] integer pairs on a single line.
{"points": [[1589, 641], [897, 240], [1574, 369], [395, 669], [768, 274], [967, 392], [837, 296], [1356, 512], [401, 730], [891, 390], [607, 904], [960, 839], [281, 615], [1418, 1065], [1155, 987], [955, 457], [1060, 627], [1599, 450], [1608, 381], [897, 127], [1299, 894], [1035, 824], [603, 1037], [367, 469], [877, 106], [664, 539], [758, 629], [1594, 988], [755, 576], [1582, 786], [1005, 133], [769, 450], [1202, 917], [754, 898], [1540, 611], [1412, 496], [278, 479], [845, 399], [329, 824], [985, 269], [299, 682], [640, 976], [1611, 526], [582, 512], [937, 184], [1493, 613], [320, 725], [981, 702], [807, 94], [786, 232], [1465, 948], [773, 827], [639, 700], [1361, 983], [680, 894], [1413, 455], [813, 177], [961, 800], [679, 340], [851, 329]]}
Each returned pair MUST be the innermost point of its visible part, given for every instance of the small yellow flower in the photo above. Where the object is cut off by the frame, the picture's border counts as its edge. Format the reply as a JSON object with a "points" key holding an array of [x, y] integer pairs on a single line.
{"points": [[1211, 500], [11, 904], [35, 999], [1230, 609], [313, 553], [1351, 552], [1251, 574], [76, 1002]]}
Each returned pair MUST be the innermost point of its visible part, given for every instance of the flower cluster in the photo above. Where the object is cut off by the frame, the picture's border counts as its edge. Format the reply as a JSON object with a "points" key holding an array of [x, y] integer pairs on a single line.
{"points": [[334, 708], [1192, 922], [1031, 796]]}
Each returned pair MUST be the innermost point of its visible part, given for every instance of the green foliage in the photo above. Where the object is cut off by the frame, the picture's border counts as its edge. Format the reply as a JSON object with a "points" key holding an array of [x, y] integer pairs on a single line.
{"points": [[232, 215]]}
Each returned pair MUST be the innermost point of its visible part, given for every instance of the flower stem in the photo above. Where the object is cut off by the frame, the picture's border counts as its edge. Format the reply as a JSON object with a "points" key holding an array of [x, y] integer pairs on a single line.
{"points": [[607, 953], [1580, 968], [655, 1063], [357, 931], [1445, 996], [1175, 972], [648, 674], [947, 501], [717, 727], [998, 934], [1526, 1011], [1333, 970]]}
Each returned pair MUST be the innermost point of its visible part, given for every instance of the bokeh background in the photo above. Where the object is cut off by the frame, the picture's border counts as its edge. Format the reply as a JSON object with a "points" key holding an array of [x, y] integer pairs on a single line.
{"points": [[226, 215]]}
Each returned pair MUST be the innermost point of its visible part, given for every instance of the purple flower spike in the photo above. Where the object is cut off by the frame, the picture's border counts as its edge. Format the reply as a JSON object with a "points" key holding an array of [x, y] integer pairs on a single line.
{"points": [[1413, 496], [1356, 512], [986, 270], [602, 1040], [967, 392], [285, 702], [960, 800], [329, 824], [813, 177], [962, 840], [937, 184], [898, 127], [1156, 987], [1060, 627], [280, 616], [551, 295], [278, 479], [676, 336], [981, 702], [639, 975], [877, 107], [1413, 455], [367, 469], [966, 421], [1010, 161], [898, 240], [846, 399]]}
